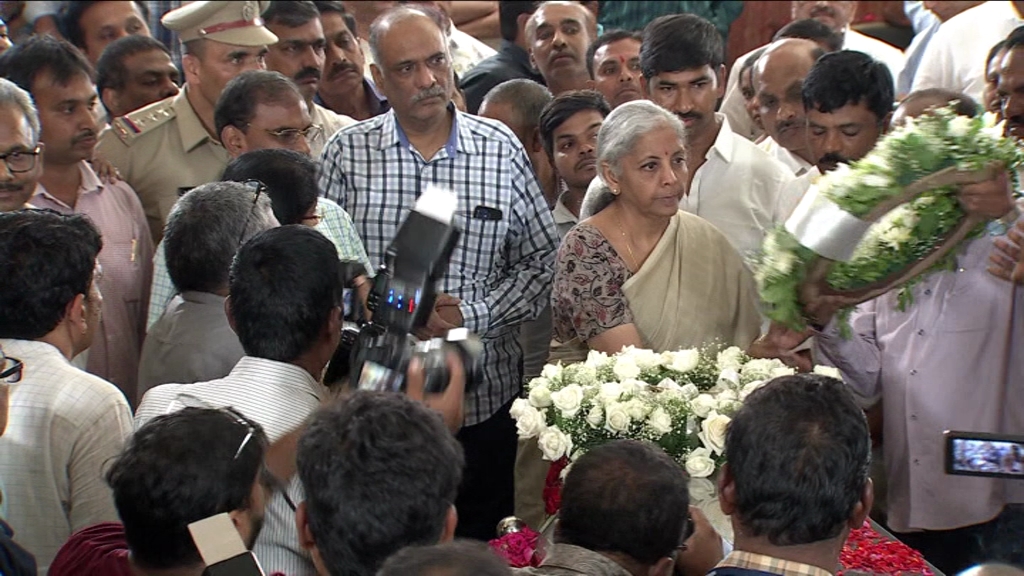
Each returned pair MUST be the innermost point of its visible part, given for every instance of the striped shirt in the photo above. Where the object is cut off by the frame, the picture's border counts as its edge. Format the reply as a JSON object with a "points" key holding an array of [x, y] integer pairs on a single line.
{"points": [[277, 396], [334, 223], [126, 261], [501, 269], [65, 426]]}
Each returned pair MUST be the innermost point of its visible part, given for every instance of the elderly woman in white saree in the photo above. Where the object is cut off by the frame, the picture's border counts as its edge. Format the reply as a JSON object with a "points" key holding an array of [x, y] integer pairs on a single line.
{"points": [[637, 270]]}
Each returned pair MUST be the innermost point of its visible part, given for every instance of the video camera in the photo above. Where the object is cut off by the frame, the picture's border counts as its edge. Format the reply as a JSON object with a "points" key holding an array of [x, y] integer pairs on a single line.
{"points": [[375, 354], [982, 454]]}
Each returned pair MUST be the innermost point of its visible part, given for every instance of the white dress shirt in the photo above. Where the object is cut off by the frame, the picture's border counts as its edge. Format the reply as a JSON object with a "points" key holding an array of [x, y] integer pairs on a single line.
{"points": [[734, 107], [798, 165], [955, 57], [64, 428], [739, 189], [277, 396]]}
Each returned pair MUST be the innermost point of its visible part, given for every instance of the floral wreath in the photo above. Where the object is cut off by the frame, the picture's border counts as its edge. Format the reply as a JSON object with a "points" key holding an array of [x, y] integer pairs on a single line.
{"points": [[886, 220]]}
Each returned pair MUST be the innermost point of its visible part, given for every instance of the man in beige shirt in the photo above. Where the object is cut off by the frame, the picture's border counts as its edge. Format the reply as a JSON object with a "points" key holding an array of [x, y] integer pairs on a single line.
{"points": [[300, 55], [169, 147]]}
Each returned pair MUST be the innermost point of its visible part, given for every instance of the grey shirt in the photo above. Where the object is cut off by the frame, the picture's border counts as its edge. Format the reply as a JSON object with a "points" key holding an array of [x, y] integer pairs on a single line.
{"points": [[191, 342], [566, 559]]}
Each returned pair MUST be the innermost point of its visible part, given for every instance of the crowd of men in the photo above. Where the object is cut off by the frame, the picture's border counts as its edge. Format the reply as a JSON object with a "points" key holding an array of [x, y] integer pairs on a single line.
{"points": [[178, 220]]}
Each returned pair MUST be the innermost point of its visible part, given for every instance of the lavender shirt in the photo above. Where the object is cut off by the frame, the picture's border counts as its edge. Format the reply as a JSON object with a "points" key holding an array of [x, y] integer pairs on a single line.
{"points": [[127, 262], [947, 363]]}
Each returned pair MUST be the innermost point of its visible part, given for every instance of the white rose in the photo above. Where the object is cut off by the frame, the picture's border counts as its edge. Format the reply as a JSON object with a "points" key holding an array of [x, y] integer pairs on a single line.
{"points": [[610, 391], [539, 381], [637, 409], [699, 463], [596, 359], [626, 368], [712, 432], [727, 401], [750, 388], [595, 417], [660, 421], [554, 443], [758, 369], [632, 386], [959, 126], [540, 396], [617, 418], [728, 378], [701, 490], [646, 359], [518, 405], [703, 404], [551, 371], [828, 371], [530, 422], [780, 371], [584, 375], [731, 357], [684, 360], [689, 391], [568, 400]]}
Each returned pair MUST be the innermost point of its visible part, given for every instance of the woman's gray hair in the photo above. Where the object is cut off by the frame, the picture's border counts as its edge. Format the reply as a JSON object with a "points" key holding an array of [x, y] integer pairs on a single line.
{"points": [[617, 138], [13, 96]]}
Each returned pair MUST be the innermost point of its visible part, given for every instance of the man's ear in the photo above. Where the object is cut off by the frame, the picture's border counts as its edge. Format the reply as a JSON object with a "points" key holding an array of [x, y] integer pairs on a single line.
{"points": [[375, 73], [110, 99], [190, 68], [664, 567], [536, 142], [886, 123], [231, 317], [306, 539], [234, 141], [863, 507], [450, 522], [589, 84], [726, 490], [76, 315], [720, 80]]}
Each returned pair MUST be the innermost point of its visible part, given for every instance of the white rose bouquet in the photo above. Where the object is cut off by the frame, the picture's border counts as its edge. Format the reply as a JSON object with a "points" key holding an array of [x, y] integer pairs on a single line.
{"points": [[681, 401], [885, 220]]}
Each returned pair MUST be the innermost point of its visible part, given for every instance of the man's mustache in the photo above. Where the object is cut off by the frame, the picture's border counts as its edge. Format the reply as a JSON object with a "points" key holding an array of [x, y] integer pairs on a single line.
{"points": [[83, 135], [11, 187], [432, 92], [823, 11], [339, 68], [833, 158], [787, 124], [308, 73], [689, 115]]}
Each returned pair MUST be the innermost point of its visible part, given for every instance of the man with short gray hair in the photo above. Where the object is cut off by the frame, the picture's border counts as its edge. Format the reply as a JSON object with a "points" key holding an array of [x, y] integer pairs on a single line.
{"points": [[192, 341], [19, 143]]}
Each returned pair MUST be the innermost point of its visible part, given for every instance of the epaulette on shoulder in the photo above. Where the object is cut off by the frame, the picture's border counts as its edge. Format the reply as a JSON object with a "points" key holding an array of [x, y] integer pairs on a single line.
{"points": [[134, 124]]}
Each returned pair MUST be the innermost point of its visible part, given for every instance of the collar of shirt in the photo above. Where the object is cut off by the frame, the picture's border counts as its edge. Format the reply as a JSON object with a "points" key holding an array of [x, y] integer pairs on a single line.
{"points": [[204, 298], [751, 561], [392, 134], [371, 88], [798, 165], [36, 349], [252, 368], [723, 145], [562, 214], [90, 184], [191, 128], [582, 560]]}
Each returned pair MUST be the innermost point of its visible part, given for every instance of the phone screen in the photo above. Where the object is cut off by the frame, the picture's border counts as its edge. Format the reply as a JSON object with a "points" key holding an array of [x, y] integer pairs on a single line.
{"points": [[977, 454]]}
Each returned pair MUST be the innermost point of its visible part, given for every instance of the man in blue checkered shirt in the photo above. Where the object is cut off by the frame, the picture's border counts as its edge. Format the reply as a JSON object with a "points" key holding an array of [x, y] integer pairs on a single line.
{"points": [[500, 272]]}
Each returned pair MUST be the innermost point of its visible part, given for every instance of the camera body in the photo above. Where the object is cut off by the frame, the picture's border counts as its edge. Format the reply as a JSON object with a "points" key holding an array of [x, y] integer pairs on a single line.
{"points": [[375, 354]]}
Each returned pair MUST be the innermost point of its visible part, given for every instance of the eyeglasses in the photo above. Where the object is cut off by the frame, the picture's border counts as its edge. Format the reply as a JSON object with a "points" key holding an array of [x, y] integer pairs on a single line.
{"points": [[11, 369], [21, 160], [267, 478], [290, 136], [259, 188]]}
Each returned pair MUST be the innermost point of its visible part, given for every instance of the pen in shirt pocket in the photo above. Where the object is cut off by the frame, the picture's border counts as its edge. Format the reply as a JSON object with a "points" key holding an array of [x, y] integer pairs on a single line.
{"points": [[135, 245]]}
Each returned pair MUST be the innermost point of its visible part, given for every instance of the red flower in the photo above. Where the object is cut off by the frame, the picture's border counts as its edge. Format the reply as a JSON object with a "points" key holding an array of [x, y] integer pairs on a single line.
{"points": [[868, 551], [519, 549], [553, 487]]}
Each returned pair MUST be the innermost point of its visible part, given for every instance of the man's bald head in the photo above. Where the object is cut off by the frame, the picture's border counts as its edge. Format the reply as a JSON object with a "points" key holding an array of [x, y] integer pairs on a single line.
{"points": [[778, 79], [924, 101], [393, 18]]}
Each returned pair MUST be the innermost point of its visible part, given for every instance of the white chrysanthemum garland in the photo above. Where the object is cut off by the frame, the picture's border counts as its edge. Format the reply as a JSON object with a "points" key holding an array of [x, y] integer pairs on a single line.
{"points": [[906, 235], [682, 401]]}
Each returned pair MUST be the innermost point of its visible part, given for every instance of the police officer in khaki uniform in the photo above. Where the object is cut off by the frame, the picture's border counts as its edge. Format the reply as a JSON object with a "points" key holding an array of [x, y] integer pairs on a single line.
{"points": [[168, 147]]}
